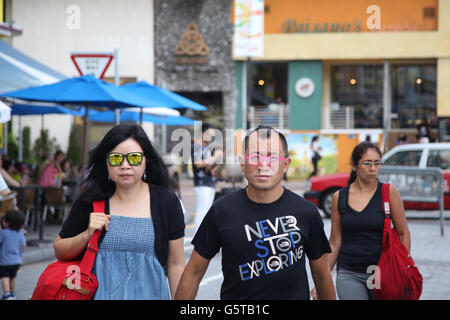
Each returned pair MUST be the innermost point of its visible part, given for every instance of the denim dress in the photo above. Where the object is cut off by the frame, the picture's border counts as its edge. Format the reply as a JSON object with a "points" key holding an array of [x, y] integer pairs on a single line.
{"points": [[126, 265]]}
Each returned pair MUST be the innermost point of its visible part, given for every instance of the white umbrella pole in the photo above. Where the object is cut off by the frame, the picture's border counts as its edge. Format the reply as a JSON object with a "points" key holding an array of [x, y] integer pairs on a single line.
{"points": [[116, 80], [164, 139], [42, 129], [20, 140], [5, 137], [85, 133]]}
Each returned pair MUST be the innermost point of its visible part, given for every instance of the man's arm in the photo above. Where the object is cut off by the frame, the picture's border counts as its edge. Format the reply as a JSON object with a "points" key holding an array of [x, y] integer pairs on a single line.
{"points": [[9, 180], [216, 158], [191, 277], [322, 278]]}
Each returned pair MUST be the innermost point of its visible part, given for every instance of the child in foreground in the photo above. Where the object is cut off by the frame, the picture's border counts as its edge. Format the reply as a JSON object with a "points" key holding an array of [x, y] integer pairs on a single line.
{"points": [[12, 244]]}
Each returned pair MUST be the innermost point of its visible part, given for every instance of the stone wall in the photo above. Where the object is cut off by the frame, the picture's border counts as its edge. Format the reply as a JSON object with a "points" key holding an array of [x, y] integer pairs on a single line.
{"points": [[196, 73]]}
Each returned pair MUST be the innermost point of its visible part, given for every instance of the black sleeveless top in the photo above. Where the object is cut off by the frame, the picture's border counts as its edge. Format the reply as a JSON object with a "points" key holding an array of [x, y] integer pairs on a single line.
{"points": [[362, 232]]}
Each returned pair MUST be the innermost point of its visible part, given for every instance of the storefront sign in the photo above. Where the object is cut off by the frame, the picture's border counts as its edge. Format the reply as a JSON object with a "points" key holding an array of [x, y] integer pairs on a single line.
{"points": [[293, 26], [248, 28], [303, 16], [304, 87], [192, 48]]}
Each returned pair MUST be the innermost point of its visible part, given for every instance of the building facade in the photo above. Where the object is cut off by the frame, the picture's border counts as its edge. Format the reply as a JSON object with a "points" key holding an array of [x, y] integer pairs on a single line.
{"points": [[193, 55], [352, 69], [53, 29]]}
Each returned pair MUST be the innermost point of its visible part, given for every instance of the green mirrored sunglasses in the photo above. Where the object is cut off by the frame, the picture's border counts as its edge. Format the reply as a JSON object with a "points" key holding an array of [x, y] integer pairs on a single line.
{"points": [[115, 159]]}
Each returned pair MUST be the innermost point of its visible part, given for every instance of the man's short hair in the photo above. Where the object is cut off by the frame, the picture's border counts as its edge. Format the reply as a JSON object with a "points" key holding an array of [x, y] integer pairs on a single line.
{"points": [[265, 132], [206, 126]]}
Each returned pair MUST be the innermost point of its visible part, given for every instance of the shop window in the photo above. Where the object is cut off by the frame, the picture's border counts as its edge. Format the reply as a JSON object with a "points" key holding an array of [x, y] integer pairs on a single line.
{"points": [[408, 158], [269, 83], [360, 88], [439, 158], [269, 87], [413, 95]]}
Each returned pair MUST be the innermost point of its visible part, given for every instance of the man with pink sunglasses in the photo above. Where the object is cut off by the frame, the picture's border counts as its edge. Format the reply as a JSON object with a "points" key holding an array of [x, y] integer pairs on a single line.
{"points": [[264, 232]]}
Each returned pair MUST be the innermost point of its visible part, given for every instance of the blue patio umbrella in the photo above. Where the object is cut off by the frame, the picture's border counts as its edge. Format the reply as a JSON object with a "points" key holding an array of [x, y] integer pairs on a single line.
{"points": [[32, 109], [109, 116], [85, 90], [164, 97]]}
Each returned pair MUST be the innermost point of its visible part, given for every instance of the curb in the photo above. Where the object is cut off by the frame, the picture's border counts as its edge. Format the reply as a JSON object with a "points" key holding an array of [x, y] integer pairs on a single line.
{"points": [[37, 255]]}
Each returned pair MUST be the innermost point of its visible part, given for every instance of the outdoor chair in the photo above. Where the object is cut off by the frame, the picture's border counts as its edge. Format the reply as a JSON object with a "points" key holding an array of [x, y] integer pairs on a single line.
{"points": [[6, 203], [29, 196], [55, 197]]}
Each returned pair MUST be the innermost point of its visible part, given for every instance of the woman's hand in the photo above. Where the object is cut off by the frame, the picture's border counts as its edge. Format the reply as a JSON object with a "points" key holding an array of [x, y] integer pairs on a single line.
{"points": [[98, 221]]}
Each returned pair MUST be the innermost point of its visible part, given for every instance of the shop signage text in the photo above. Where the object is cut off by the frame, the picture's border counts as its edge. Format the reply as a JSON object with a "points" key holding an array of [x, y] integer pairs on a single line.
{"points": [[293, 26]]}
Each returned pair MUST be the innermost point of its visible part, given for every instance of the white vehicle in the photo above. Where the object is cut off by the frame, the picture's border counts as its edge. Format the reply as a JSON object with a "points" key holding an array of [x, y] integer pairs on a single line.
{"points": [[420, 155], [320, 189]]}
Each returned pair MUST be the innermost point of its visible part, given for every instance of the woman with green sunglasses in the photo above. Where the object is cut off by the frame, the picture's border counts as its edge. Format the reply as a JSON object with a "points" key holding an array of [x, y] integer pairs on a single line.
{"points": [[143, 223]]}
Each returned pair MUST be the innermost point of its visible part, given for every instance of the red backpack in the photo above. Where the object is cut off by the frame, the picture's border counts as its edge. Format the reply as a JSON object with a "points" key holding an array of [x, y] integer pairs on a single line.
{"points": [[71, 280], [399, 278]]}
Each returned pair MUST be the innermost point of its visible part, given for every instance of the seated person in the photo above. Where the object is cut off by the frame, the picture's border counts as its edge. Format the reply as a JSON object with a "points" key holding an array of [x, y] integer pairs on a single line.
{"points": [[11, 182], [4, 190], [52, 174]]}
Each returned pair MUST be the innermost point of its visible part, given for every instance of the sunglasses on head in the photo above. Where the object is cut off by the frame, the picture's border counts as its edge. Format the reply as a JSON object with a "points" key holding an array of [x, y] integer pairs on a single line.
{"points": [[115, 159]]}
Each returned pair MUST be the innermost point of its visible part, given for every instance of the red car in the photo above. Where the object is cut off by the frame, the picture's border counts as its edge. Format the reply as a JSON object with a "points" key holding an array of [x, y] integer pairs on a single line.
{"points": [[320, 189]]}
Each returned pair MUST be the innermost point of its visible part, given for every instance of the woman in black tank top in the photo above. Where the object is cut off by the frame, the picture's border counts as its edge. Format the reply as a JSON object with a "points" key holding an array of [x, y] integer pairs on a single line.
{"points": [[357, 221]]}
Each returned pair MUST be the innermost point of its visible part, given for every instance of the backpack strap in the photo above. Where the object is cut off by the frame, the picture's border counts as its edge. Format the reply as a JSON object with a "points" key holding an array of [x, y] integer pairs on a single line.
{"points": [[387, 211], [92, 248]]}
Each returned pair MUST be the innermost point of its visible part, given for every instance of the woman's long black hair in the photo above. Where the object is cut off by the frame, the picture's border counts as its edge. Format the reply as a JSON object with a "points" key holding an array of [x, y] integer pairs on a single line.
{"points": [[95, 184], [357, 154]]}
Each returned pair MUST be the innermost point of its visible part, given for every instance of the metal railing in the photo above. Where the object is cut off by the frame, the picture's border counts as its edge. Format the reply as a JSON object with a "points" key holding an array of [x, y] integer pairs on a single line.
{"points": [[342, 118], [277, 118], [417, 185]]}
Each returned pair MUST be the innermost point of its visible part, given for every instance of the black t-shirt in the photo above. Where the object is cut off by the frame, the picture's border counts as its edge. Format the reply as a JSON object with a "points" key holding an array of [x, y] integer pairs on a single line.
{"points": [[263, 245], [362, 232], [166, 212]]}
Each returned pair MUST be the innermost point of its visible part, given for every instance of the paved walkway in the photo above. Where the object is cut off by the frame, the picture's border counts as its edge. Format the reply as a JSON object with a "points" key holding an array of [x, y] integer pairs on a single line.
{"points": [[429, 249]]}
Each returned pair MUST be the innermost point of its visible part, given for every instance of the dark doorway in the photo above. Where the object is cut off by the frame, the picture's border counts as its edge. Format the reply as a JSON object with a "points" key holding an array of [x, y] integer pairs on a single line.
{"points": [[212, 100]]}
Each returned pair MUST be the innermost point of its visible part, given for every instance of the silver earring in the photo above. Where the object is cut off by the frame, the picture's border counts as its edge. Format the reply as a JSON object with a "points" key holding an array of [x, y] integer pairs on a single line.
{"points": [[144, 177]]}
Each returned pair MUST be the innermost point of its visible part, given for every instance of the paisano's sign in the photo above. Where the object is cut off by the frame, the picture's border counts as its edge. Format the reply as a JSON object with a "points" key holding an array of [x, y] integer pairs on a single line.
{"points": [[294, 26], [303, 16]]}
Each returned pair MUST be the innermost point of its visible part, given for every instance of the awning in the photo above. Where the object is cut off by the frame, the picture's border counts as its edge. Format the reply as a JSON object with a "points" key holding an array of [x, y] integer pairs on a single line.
{"points": [[18, 71], [5, 112]]}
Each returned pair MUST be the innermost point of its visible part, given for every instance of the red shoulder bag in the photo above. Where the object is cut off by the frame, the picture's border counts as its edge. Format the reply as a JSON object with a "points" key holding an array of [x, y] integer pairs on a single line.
{"points": [[71, 280], [399, 278]]}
